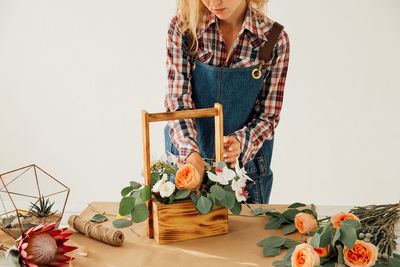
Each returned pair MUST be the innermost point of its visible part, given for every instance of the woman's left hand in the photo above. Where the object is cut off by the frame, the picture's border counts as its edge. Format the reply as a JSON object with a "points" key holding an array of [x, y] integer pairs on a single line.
{"points": [[231, 150]]}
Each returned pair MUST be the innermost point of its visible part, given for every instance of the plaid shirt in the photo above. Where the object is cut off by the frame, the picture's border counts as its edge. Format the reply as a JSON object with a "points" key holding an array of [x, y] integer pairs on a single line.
{"points": [[212, 50]]}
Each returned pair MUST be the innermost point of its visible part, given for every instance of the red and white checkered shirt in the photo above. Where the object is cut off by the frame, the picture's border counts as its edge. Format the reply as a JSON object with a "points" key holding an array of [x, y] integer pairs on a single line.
{"points": [[212, 51]]}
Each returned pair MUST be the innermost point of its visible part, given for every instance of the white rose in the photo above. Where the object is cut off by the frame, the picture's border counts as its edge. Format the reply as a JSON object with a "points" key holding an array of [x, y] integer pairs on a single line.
{"points": [[167, 189], [156, 187]]}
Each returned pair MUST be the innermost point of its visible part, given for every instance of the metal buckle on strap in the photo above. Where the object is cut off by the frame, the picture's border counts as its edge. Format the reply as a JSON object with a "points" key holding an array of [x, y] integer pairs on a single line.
{"points": [[256, 73]]}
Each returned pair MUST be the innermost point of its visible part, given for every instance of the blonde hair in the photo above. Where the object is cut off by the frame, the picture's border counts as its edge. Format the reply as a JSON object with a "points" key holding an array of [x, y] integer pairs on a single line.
{"points": [[192, 13]]}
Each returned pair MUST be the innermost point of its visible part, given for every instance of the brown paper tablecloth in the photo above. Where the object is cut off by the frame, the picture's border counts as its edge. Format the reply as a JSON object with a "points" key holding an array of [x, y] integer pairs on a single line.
{"points": [[237, 248]]}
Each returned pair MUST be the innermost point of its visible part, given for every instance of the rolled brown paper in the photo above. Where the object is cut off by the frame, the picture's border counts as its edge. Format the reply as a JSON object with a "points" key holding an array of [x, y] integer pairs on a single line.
{"points": [[96, 231]]}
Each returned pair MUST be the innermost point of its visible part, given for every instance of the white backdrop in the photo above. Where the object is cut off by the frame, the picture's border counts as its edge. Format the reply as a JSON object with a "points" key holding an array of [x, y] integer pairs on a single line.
{"points": [[75, 75]]}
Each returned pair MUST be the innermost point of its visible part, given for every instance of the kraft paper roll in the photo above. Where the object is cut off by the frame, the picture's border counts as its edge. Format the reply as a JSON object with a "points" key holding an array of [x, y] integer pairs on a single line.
{"points": [[96, 231]]}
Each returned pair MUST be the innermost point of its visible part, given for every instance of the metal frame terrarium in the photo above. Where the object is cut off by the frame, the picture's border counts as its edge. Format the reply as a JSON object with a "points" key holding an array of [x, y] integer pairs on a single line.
{"points": [[30, 196]]}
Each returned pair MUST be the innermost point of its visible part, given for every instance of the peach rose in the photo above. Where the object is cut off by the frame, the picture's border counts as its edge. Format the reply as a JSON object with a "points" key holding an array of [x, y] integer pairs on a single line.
{"points": [[362, 254], [187, 177], [305, 223], [322, 252], [304, 255], [336, 219]]}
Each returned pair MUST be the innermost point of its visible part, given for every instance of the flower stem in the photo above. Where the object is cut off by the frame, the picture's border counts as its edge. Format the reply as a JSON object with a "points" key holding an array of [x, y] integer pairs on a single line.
{"points": [[101, 212]]}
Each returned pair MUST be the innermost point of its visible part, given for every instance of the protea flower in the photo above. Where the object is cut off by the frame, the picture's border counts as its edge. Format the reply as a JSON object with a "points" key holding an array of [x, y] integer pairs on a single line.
{"points": [[44, 245]]}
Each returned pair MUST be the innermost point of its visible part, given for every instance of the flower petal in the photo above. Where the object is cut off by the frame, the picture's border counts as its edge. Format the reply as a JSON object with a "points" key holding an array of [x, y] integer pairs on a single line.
{"points": [[213, 177], [228, 174], [65, 249]]}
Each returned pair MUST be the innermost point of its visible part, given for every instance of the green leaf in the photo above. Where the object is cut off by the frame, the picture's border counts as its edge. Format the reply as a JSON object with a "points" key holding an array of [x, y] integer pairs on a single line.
{"points": [[315, 240], [237, 208], [288, 229], [296, 205], [290, 214], [212, 199], [203, 205], [155, 177], [229, 200], [272, 241], [145, 193], [274, 223], [314, 211], [281, 263], [393, 262], [268, 251], [259, 211], [290, 243], [218, 192], [135, 185], [289, 253], [396, 256], [351, 223], [99, 218], [126, 205], [121, 223], [336, 237], [194, 198], [326, 236], [348, 235], [126, 191], [171, 198], [182, 194], [140, 213]]}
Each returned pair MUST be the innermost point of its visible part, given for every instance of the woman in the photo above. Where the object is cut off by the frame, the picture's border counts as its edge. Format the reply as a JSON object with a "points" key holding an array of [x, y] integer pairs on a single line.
{"points": [[227, 51]]}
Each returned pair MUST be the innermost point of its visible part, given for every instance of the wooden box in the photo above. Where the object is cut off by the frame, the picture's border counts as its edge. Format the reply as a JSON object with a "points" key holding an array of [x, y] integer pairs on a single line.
{"points": [[181, 221]]}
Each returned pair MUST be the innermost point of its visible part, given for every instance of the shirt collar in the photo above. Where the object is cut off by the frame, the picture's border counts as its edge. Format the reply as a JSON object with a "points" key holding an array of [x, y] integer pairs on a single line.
{"points": [[251, 23]]}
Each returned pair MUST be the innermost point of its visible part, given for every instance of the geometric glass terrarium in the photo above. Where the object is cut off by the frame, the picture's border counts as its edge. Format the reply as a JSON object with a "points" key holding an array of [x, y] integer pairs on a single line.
{"points": [[30, 196]]}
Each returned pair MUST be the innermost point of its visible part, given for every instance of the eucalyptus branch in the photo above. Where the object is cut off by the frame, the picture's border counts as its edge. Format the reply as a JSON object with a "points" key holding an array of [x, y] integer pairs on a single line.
{"points": [[101, 212]]}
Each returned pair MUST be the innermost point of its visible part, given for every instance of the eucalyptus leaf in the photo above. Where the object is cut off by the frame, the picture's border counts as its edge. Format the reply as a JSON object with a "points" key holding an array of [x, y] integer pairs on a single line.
{"points": [[289, 253], [326, 236], [237, 208], [314, 210], [296, 205], [121, 223], [315, 240], [212, 199], [288, 229], [154, 177], [351, 223], [270, 251], [274, 223], [203, 205], [218, 192], [140, 213], [182, 194], [290, 214], [348, 235], [135, 185], [99, 218], [126, 205], [229, 200], [259, 211], [194, 198], [145, 193], [126, 191], [281, 263], [336, 237], [290, 243], [272, 241]]}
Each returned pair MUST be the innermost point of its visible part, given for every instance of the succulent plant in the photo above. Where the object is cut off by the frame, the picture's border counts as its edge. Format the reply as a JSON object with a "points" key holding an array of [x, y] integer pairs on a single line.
{"points": [[43, 209]]}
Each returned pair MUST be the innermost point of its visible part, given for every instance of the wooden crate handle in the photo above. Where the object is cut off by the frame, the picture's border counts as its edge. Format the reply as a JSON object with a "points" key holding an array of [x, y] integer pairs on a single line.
{"points": [[215, 112]]}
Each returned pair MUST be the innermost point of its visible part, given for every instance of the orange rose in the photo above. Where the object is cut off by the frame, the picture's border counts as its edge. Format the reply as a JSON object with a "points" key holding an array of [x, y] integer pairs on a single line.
{"points": [[322, 252], [336, 219], [187, 177], [304, 256], [305, 223], [362, 254]]}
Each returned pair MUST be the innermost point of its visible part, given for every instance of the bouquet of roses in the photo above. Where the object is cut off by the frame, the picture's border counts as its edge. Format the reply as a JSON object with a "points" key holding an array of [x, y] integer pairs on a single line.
{"points": [[342, 239]]}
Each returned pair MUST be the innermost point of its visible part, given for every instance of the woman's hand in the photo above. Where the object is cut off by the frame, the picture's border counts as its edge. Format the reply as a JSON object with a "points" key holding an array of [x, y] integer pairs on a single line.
{"points": [[232, 150], [196, 160]]}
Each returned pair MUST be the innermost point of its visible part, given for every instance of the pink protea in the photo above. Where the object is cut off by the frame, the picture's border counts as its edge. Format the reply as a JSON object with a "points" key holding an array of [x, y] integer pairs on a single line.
{"points": [[44, 245]]}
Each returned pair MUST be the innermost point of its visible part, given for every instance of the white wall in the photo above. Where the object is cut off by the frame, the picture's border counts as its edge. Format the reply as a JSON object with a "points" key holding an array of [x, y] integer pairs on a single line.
{"points": [[74, 76]]}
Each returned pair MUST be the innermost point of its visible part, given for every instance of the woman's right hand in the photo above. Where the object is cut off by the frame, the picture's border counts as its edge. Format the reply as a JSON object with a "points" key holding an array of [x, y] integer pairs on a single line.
{"points": [[196, 160]]}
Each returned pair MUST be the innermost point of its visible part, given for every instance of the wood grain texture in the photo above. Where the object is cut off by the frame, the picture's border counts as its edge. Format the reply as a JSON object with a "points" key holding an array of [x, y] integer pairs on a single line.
{"points": [[147, 177], [219, 133], [181, 221], [183, 114]]}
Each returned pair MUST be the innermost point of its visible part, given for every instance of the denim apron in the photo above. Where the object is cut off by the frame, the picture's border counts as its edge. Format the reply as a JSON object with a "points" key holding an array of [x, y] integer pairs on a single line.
{"points": [[237, 91]]}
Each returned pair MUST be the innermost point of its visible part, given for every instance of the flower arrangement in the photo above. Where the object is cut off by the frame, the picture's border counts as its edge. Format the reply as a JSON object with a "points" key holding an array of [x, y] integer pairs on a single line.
{"points": [[363, 237], [42, 245], [172, 180]]}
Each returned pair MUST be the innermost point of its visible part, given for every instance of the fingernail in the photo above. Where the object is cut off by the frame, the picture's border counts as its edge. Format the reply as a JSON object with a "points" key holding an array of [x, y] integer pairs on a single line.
{"points": [[230, 149], [225, 155]]}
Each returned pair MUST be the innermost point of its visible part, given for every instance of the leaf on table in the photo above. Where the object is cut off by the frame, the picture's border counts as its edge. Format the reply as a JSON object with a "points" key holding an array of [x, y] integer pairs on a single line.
{"points": [[296, 205], [290, 243], [288, 229], [99, 218], [259, 211], [271, 251], [121, 223], [274, 223], [272, 241]]}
